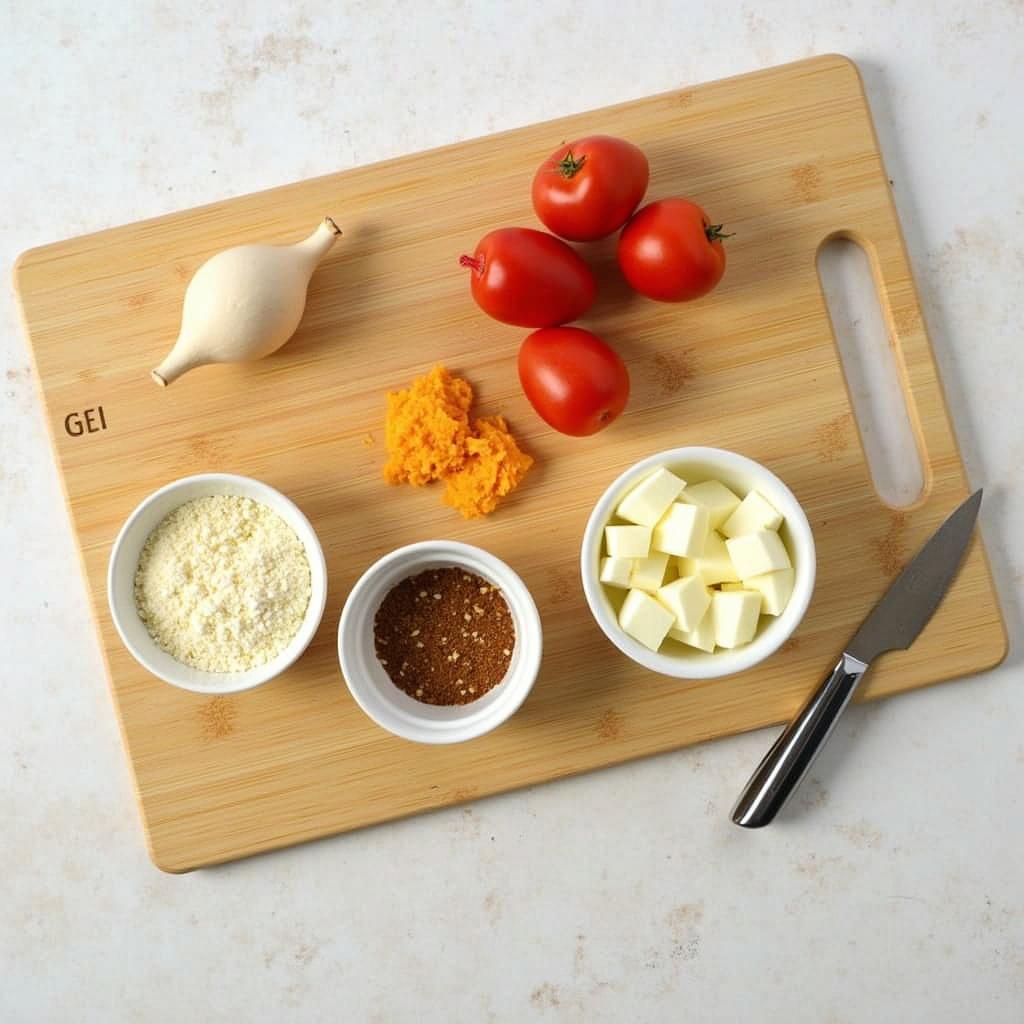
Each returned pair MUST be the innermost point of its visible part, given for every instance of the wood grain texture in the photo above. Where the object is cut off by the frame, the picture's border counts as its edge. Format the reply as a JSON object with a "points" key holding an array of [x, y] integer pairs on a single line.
{"points": [[787, 158]]}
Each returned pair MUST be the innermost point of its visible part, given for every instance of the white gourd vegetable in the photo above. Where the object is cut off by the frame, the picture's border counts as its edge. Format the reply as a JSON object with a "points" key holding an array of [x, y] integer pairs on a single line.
{"points": [[245, 303]]}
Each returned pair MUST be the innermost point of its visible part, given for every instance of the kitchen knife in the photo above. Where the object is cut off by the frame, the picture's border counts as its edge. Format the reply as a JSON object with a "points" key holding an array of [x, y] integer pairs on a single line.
{"points": [[893, 624]]}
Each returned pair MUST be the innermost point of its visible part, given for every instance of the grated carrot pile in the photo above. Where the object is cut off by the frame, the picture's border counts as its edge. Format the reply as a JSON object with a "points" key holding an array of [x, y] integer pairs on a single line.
{"points": [[493, 468], [429, 437], [426, 428]]}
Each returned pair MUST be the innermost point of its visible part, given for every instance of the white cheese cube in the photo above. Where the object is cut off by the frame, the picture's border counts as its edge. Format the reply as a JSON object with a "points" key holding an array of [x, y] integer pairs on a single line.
{"points": [[687, 599], [646, 503], [627, 541], [734, 615], [733, 587], [776, 588], [753, 513], [671, 571], [616, 571], [703, 637], [648, 573], [715, 497], [644, 619], [756, 553], [682, 530], [714, 566]]}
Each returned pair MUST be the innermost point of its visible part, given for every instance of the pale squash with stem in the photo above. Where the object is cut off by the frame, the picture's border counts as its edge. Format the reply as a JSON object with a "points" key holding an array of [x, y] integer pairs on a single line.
{"points": [[245, 303]]}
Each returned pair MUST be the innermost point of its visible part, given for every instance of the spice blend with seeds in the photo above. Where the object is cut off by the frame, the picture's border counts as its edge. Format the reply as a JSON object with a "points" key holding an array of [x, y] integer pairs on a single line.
{"points": [[444, 636]]}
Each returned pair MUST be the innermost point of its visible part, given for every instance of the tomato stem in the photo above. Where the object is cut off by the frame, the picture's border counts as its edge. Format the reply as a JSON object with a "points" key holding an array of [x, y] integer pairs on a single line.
{"points": [[569, 166], [472, 261], [714, 232]]}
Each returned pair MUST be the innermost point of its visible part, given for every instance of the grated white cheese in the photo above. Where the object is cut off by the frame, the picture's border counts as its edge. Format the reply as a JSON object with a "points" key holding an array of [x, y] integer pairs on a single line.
{"points": [[222, 583]]}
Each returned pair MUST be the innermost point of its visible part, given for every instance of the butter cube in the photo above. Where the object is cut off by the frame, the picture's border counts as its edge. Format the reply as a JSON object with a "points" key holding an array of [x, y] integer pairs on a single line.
{"points": [[776, 588], [714, 565], [753, 513], [648, 573], [687, 599], [627, 541], [756, 553], [646, 503], [715, 497], [732, 586], [734, 615], [703, 637], [644, 619], [615, 572], [682, 530]]}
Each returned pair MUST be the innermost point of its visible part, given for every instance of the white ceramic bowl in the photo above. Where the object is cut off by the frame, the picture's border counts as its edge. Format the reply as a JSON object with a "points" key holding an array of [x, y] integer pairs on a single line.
{"points": [[396, 711], [741, 475], [124, 560]]}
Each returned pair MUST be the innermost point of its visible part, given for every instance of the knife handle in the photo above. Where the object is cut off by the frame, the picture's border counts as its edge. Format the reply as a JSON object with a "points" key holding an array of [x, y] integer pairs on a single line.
{"points": [[793, 753]]}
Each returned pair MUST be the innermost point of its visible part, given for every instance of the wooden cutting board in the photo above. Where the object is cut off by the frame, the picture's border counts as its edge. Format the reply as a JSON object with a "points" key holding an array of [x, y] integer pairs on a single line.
{"points": [[786, 158]]}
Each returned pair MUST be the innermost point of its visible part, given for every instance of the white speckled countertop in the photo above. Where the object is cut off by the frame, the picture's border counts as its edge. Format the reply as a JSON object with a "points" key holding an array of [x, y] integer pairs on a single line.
{"points": [[894, 891]]}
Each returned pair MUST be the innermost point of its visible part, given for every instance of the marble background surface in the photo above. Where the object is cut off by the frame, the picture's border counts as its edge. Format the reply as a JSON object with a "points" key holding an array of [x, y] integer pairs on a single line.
{"points": [[893, 891]]}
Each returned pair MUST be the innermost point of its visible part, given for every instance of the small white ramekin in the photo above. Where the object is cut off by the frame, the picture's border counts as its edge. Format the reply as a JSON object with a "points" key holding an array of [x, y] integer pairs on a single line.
{"points": [[396, 711], [124, 560], [741, 475]]}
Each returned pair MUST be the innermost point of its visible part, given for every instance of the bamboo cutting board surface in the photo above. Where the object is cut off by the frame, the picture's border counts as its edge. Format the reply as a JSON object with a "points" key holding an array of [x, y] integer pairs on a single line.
{"points": [[786, 158]]}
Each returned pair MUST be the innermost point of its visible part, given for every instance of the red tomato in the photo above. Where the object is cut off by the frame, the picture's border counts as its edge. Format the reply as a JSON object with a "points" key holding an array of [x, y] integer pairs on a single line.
{"points": [[575, 381], [529, 278], [587, 189], [671, 251]]}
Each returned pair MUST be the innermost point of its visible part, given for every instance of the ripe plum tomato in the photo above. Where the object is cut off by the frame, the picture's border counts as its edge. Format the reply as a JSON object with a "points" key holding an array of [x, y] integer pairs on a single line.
{"points": [[671, 251], [588, 188], [529, 278], [576, 382]]}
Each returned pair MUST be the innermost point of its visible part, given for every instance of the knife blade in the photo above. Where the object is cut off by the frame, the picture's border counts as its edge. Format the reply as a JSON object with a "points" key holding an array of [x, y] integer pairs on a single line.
{"points": [[910, 602], [893, 624]]}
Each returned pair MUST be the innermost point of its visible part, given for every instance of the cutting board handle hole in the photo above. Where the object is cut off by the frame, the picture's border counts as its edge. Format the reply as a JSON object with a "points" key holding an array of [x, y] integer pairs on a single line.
{"points": [[873, 376]]}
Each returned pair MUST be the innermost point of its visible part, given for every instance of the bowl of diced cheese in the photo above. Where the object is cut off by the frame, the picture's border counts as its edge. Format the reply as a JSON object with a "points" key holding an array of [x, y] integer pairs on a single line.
{"points": [[698, 562]]}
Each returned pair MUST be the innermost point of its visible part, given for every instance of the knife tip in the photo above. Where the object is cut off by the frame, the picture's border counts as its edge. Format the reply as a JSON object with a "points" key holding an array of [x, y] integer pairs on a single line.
{"points": [[971, 506]]}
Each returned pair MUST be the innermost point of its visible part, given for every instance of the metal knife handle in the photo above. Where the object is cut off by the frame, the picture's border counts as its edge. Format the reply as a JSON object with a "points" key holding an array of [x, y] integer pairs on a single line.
{"points": [[793, 753]]}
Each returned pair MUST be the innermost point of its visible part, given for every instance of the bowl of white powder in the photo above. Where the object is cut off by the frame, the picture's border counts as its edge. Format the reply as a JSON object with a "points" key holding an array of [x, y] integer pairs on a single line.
{"points": [[217, 583]]}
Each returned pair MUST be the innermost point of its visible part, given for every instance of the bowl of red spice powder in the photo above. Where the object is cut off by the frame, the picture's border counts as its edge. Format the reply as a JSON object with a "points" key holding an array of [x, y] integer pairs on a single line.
{"points": [[439, 642]]}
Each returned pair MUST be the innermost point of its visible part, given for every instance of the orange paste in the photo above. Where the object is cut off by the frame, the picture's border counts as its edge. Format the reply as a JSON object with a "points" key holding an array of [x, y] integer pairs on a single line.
{"points": [[429, 437]]}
